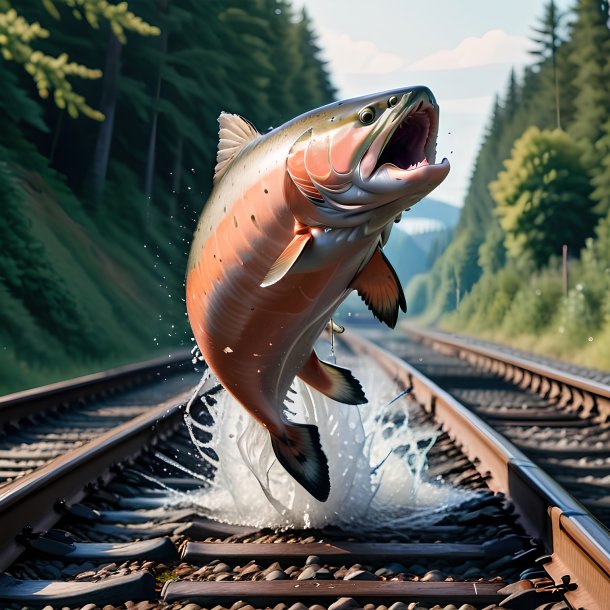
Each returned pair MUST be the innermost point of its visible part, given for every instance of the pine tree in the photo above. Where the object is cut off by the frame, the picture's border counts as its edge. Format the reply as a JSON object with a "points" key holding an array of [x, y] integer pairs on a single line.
{"points": [[590, 49], [549, 41]]}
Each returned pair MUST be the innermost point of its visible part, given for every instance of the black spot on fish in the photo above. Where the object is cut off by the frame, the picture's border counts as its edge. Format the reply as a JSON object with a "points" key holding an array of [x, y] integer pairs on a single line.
{"points": [[253, 218], [235, 221], [266, 191]]}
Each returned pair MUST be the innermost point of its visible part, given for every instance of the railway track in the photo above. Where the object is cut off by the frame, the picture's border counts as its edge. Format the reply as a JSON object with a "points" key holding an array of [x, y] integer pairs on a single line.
{"points": [[127, 529], [561, 420]]}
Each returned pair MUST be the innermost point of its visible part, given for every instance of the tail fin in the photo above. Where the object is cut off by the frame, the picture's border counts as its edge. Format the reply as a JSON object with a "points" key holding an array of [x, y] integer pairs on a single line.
{"points": [[300, 453]]}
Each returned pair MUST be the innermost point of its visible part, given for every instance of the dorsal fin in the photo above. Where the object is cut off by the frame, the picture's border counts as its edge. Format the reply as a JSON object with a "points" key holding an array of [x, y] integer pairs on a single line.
{"points": [[235, 132]]}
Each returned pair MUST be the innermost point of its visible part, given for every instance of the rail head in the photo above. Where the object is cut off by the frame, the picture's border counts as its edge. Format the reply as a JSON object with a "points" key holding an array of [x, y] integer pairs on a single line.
{"points": [[20, 405], [580, 546], [599, 391], [65, 478]]}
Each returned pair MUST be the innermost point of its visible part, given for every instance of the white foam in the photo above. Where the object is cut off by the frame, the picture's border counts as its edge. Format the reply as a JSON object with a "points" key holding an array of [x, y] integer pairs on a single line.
{"points": [[377, 462]]}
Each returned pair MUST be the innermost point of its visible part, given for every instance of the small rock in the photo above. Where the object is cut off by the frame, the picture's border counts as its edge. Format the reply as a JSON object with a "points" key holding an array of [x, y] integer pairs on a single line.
{"points": [[323, 574], [307, 574], [383, 572], [48, 608], [82, 575], [222, 576], [312, 559], [221, 567], [398, 606], [277, 575], [274, 566], [298, 606], [416, 569], [360, 575], [317, 607], [71, 570], [467, 607], [89, 607], [280, 606], [251, 569], [289, 570], [433, 576], [513, 587], [345, 603], [472, 572], [184, 571], [239, 604]]}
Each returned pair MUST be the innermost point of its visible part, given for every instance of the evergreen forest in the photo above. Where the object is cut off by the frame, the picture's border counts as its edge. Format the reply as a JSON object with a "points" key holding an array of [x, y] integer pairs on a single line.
{"points": [[108, 136], [529, 263]]}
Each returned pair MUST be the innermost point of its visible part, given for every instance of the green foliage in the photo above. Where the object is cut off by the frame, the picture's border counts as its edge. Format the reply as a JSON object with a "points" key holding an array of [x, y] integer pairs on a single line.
{"points": [[418, 294], [492, 252], [85, 288], [548, 42], [590, 55], [534, 306], [52, 73], [543, 196], [545, 187]]}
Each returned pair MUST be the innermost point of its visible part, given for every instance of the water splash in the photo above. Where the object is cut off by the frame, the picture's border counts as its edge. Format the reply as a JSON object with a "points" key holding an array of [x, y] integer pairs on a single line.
{"points": [[377, 461]]}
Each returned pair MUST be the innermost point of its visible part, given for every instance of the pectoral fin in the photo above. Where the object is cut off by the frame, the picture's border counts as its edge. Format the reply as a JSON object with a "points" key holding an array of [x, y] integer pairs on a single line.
{"points": [[286, 259], [334, 381], [380, 289]]}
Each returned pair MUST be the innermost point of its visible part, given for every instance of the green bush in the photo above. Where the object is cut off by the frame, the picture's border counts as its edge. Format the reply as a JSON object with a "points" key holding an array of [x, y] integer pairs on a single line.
{"points": [[534, 306]]}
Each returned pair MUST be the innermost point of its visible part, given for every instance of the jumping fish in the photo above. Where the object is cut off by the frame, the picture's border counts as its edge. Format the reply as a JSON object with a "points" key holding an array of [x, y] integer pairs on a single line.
{"points": [[296, 220]]}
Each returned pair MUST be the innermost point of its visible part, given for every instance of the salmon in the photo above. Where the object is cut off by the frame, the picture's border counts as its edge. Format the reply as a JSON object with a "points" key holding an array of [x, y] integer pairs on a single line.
{"points": [[296, 220]]}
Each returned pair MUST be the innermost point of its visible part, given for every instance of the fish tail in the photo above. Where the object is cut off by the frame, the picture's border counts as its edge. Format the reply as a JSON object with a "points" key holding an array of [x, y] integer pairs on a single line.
{"points": [[299, 451]]}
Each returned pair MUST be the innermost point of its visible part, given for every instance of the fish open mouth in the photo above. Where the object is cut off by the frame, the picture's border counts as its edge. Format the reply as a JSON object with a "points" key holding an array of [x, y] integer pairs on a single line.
{"points": [[406, 146], [413, 142]]}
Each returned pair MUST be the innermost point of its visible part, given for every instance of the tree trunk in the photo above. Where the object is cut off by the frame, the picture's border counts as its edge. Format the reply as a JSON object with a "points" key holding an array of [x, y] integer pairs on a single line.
{"points": [[149, 173], [110, 90], [176, 179]]}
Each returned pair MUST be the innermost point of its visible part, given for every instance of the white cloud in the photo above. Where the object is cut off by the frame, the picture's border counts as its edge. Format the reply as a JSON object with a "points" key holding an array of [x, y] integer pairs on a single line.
{"points": [[349, 56], [494, 47]]}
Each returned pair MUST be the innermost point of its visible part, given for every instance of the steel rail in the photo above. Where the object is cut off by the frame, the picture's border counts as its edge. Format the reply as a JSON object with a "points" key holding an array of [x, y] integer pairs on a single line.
{"points": [[586, 395], [578, 546], [24, 404], [33, 501]]}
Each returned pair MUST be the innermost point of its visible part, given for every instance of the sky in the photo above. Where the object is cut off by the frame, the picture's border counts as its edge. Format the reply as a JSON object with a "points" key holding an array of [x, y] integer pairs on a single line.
{"points": [[462, 49]]}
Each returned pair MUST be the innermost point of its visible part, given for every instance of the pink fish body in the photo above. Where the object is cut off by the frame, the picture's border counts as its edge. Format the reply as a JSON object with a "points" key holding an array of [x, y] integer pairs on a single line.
{"points": [[295, 222]]}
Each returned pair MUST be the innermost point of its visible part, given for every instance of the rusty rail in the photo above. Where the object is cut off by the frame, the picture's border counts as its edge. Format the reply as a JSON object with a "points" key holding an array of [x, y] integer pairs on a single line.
{"points": [[578, 546], [584, 396], [21, 405], [65, 478]]}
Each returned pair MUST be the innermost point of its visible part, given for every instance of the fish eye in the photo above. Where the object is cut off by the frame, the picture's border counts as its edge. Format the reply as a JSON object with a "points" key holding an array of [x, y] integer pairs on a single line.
{"points": [[367, 115], [392, 101]]}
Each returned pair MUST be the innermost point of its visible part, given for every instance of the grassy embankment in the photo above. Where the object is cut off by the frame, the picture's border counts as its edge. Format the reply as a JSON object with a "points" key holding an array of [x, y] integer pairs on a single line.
{"points": [[80, 292]]}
